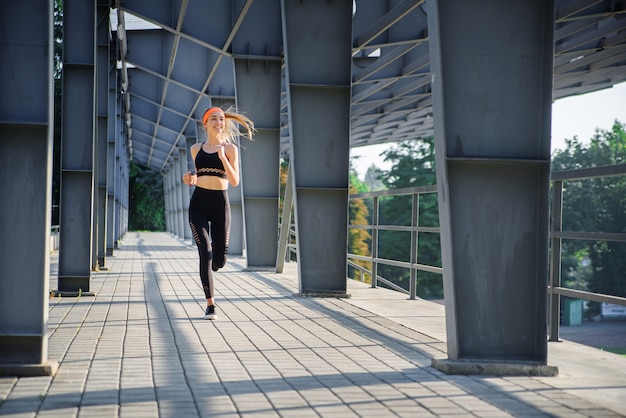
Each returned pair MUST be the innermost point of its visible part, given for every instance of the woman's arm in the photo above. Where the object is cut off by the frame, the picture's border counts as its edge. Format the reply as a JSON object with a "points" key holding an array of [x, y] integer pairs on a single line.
{"points": [[188, 178], [229, 156]]}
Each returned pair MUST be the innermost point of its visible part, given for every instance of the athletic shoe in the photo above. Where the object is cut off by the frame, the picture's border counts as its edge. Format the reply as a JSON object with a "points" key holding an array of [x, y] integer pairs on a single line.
{"points": [[210, 313]]}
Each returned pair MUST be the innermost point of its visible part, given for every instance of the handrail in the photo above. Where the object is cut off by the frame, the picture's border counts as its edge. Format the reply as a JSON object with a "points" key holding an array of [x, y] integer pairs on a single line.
{"points": [[555, 291], [414, 229]]}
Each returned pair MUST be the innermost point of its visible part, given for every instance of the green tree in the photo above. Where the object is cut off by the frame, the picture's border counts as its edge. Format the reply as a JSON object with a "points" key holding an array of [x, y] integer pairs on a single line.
{"points": [[594, 205], [412, 165], [146, 203]]}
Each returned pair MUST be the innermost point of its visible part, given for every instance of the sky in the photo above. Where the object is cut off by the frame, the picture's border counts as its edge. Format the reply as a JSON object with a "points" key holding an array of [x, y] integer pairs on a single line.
{"points": [[571, 116]]}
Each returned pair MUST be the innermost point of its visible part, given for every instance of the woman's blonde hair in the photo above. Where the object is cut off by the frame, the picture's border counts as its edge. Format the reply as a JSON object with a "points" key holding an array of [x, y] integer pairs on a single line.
{"points": [[231, 129]]}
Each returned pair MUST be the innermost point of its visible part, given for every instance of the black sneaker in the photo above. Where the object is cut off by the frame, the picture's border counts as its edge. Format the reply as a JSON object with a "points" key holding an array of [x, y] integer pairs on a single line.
{"points": [[210, 313]]}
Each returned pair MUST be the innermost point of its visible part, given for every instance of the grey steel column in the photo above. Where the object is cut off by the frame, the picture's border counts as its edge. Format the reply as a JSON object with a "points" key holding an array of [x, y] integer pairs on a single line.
{"points": [[75, 245], [26, 137], [102, 112], [182, 161], [258, 96], [172, 197], [166, 204], [124, 191], [178, 182], [189, 141], [167, 189], [318, 38], [121, 171], [492, 94], [111, 160], [258, 89]]}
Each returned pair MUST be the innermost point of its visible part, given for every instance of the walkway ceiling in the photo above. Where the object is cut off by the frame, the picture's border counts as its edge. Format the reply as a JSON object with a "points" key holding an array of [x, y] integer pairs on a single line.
{"points": [[177, 58]]}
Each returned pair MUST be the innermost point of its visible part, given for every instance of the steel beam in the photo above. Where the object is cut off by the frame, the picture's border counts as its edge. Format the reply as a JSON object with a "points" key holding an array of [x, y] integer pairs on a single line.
{"points": [[492, 94], [111, 158], [318, 37], [258, 90], [77, 165], [26, 137], [102, 116], [185, 196], [178, 196], [258, 96]]}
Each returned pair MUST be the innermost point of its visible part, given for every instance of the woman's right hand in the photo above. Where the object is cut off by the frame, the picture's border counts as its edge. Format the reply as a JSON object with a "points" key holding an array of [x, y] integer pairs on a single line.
{"points": [[190, 179]]}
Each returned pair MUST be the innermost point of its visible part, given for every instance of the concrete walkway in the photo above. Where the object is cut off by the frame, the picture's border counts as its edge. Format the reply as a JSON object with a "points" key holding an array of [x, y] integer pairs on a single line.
{"points": [[141, 348]]}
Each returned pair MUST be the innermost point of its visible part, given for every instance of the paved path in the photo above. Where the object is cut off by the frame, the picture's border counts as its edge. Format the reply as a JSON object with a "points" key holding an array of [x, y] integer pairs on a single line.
{"points": [[141, 348]]}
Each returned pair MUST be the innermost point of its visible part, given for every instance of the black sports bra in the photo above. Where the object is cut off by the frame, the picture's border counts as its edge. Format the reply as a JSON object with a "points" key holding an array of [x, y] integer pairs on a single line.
{"points": [[209, 164]]}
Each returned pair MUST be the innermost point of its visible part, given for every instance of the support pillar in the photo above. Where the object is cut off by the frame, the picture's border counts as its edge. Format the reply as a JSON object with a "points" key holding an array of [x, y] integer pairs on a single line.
{"points": [[26, 138], [492, 95], [178, 183], [258, 87], [170, 209], [182, 160], [102, 115], [318, 41], [112, 159], [76, 206]]}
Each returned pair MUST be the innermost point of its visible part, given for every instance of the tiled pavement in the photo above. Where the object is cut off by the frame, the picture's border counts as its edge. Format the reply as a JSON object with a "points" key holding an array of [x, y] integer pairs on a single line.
{"points": [[141, 348]]}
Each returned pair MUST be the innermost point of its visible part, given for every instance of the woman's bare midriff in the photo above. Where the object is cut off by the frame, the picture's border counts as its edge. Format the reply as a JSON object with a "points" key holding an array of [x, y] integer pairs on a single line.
{"points": [[212, 183]]}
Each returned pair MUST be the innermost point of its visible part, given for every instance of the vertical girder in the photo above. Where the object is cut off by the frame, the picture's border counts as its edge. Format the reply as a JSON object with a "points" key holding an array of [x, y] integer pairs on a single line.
{"points": [[77, 158], [26, 137], [492, 93], [318, 39], [102, 112], [258, 96], [258, 90]]}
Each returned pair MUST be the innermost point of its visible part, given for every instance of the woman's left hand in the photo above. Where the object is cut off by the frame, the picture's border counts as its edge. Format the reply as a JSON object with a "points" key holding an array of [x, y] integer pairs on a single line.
{"points": [[221, 151]]}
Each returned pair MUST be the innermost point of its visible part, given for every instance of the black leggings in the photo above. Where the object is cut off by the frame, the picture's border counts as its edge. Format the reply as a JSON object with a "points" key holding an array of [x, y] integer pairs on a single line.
{"points": [[209, 218]]}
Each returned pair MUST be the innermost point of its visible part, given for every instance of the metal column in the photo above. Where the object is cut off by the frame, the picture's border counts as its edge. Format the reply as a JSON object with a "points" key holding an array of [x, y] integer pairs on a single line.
{"points": [[170, 207], [78, 127], [122, 162], [492, 94], [258, 96], [177, 174], [102, 115], [317, 41], [26, 137], [182, 161], [258, 89], [111, 160]]}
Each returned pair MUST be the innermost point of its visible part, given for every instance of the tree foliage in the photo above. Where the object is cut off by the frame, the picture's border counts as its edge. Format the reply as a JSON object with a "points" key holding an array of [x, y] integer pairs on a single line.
{"points": [[146, 203], [594, 205]]}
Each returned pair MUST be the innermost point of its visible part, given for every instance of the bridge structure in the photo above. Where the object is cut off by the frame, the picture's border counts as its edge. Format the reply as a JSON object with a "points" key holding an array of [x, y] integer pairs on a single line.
{"points": [[318, 77]]}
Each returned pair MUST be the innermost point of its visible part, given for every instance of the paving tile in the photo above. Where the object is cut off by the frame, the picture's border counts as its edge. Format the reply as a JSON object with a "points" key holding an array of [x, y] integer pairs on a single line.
{"points": [[141, 348]]}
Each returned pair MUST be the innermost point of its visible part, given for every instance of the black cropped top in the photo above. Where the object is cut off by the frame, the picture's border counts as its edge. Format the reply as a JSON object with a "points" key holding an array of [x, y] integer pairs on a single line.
{"points": [[209, 164]]}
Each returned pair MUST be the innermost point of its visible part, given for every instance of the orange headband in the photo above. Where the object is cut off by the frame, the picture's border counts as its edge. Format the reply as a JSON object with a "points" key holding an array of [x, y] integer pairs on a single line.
{"points": [[208, 113]]}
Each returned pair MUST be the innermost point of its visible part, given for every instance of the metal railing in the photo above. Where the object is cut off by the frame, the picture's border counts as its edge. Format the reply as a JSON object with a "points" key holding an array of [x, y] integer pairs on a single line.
{"points": [[415, 228], [555, 291]]}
